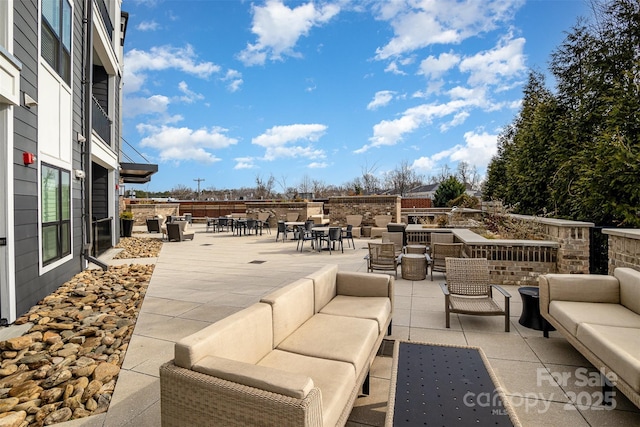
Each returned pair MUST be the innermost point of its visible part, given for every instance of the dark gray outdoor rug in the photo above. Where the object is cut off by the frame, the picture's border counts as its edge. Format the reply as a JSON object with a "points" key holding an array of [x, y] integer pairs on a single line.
{"points": [[441, 385]]}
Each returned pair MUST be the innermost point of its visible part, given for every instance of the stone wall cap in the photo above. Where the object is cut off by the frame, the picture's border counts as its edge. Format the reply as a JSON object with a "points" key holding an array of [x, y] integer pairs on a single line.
{"points": [[631, 233], [554, 221]]}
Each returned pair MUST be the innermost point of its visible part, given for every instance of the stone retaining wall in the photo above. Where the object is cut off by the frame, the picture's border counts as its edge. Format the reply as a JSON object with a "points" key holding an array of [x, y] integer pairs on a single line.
{"points": [[143, 211], [367, 206], [572, 237], [279, 210], [624, 248]]}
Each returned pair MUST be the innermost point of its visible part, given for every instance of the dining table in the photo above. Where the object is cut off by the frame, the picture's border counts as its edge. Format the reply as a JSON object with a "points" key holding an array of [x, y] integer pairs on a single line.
{"points": [[319, 232]]}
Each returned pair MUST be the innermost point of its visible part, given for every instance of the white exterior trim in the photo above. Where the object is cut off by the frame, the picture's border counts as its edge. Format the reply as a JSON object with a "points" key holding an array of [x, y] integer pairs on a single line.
{"points": [[9, 97]]}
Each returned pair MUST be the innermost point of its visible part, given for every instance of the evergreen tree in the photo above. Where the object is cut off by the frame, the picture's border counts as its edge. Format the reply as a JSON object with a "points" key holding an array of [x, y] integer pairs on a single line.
{"points": [[448, 190]]}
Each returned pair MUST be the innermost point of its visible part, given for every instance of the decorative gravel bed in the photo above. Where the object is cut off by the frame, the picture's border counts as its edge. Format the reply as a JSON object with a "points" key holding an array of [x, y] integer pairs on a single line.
{"points": [[138, 247], [66, 366]]}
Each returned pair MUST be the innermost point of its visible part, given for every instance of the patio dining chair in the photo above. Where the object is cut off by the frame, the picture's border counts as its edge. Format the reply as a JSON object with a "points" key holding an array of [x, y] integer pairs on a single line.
{"points": [[347, 234], [252, 225], [332, 237], [440, 251], [382, 256], [304, 235], [282, 229], [468, 290]]}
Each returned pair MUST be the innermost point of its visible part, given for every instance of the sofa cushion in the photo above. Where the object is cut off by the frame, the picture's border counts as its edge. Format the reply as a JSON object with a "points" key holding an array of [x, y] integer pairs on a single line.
{"points": [[572, 313], [618, 347], [374, 308], [364, 284], [335, 379], [324, 285], [629, 287], [346, 339], [583, 287], [273, 379], [246, 336], [292, 306]]}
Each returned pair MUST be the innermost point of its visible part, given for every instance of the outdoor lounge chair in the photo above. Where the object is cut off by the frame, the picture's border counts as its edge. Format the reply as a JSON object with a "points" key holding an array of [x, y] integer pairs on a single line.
{"points": [[394, 237], [382, 256], [440, 251], [468, 290], [176, 232]]}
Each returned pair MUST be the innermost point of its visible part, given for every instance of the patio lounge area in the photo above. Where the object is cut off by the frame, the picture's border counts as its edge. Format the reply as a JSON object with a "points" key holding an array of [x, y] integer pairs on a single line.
{"points": [[200, 281]]}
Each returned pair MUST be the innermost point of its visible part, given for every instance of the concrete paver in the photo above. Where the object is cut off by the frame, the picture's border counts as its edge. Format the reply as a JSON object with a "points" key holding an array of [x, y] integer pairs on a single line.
{"points": [[196, 283]]}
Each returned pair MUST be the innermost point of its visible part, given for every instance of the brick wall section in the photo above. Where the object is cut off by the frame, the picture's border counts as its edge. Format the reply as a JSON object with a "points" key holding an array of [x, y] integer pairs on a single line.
{"points": [[624, 248], [367, 206], [418, 203], [573, 238]]}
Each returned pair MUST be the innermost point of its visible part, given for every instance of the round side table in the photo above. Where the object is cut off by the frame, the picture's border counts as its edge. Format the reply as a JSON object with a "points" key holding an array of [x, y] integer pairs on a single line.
{"points": [[414, 266], [531, 317]]}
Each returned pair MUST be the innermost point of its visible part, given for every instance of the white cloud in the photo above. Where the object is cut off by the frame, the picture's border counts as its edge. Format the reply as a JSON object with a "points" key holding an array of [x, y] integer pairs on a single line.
{"points": [[244, 163], [393, 68], [156, 104], [279, 27], [278, 141], [421, 23], [380, 99], [434, 68], [148, 26], [318, 165], [505, 61], [233, 79], [163, 58], [390, 132], [176, 144], [477, 150], [188, 96]]}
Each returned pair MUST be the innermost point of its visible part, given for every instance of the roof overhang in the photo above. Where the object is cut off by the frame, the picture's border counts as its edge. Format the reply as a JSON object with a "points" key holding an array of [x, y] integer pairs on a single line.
{"points": [[137, 173]]}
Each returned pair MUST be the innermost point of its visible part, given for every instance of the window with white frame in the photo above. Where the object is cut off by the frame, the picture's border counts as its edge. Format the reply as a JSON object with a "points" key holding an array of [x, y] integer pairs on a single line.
{"points": [[55, 43], [56, 213]]}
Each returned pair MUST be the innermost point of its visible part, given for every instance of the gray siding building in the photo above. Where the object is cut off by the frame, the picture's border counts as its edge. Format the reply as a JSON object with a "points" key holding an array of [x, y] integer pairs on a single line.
{"points": [[60, 79]]}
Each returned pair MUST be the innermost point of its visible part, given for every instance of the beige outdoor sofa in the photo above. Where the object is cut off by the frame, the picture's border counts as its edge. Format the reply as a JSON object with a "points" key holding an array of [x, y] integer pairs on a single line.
{"points": [[299, 357], [600, 316]]}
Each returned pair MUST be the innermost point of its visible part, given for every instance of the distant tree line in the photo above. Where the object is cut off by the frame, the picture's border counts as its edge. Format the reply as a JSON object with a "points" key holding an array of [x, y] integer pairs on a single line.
{"points": [[399, 181], [575, 153]]}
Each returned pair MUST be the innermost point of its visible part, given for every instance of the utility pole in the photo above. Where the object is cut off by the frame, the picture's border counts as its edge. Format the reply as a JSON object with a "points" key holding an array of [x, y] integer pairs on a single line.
{"points": [[199, 180]]}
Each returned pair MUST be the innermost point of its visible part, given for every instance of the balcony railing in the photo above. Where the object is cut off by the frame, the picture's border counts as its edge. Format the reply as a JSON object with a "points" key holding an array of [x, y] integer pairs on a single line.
{"points": [[102, 235], [104, 13], [101, 122]]}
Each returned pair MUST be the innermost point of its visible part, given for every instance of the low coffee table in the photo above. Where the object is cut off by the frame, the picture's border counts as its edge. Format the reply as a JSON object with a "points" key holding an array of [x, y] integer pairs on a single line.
{"points": [[434, 384]]}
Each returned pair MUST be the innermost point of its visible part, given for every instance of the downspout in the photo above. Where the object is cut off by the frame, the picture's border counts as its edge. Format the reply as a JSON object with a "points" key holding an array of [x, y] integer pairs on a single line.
{"points": [[87, 78]]}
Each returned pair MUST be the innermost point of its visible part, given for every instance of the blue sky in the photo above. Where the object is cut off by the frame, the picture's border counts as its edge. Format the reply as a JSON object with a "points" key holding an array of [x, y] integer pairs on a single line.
{"points": [[324, 90]]}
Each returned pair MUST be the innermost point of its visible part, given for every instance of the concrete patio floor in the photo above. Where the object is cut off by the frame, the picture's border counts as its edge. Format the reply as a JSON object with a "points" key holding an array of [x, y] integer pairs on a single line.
{"points": [[196, 283]]}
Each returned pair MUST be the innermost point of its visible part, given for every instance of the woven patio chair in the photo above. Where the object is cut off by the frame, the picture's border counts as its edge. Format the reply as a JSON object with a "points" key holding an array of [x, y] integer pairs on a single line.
{"points": [[468, 290], [382, 256], [439, 251], [395, 237]]}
